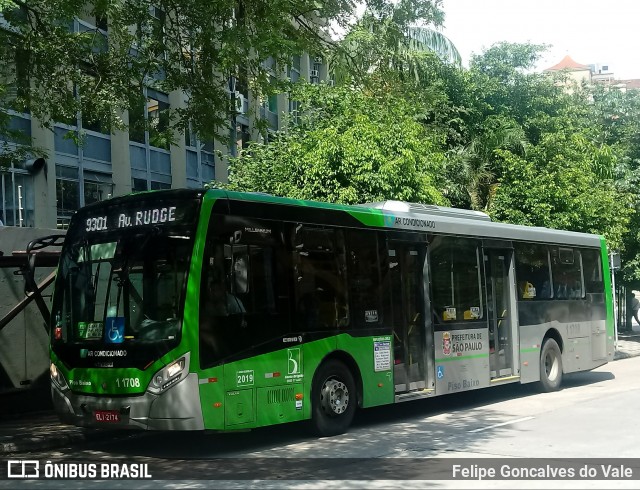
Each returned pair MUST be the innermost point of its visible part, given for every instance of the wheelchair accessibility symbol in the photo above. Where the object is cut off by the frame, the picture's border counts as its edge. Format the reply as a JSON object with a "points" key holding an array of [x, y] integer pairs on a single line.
{"points": [[114, 331], [440, 372]]}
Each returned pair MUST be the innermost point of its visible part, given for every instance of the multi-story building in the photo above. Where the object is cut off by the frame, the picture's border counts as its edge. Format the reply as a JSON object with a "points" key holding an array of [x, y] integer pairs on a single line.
{"points": [[46, 194]]}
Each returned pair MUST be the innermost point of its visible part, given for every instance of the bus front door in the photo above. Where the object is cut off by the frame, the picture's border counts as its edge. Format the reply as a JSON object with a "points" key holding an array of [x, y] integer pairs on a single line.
{"points": [[407, 269], [501, 308]]}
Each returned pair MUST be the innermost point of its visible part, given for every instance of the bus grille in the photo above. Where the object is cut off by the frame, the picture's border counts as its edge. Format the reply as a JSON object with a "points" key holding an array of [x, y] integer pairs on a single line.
{"points": [[281, 395]]}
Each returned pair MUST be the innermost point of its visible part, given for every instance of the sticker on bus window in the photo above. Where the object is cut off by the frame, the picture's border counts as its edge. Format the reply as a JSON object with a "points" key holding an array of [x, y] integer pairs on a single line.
{"points": [[472, 313], [94, 331], [114, 331], [529, 291], [371, 316], [449, 314], [382, 354]]}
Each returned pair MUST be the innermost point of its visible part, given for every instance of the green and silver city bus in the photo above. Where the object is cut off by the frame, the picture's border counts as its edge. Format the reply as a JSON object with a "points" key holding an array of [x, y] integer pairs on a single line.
{"points": [[194, 309]]}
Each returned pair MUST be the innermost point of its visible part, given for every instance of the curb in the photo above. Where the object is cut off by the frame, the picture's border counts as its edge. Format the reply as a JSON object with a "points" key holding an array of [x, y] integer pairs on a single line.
{"points": [[625, 355]]}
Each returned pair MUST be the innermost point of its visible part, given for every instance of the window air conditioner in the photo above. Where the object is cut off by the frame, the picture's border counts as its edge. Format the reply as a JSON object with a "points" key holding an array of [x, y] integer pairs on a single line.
{"points": [[314, 73], [239, 102]]}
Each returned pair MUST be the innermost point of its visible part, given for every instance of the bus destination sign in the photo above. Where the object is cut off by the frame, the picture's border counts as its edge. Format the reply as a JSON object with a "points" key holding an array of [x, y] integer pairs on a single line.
{"points": [[155, 216], [143, 213]]}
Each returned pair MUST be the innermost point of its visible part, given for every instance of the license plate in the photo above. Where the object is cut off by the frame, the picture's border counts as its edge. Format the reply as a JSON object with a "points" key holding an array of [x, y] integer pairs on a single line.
{"points": [[106, 416]]}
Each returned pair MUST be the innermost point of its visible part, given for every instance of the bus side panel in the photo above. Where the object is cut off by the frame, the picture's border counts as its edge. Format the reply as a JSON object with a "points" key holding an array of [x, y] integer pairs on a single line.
{"points": [[314, 353], [464, 364], [210, 381], [211, 384], [579, 323], [279, 379], [608, 296], [374, 360], [530, 338]]}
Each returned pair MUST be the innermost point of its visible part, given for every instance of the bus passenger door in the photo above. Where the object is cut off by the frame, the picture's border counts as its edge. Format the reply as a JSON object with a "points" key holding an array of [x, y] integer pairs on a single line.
{"points": [[407, 268], [501, 304]]}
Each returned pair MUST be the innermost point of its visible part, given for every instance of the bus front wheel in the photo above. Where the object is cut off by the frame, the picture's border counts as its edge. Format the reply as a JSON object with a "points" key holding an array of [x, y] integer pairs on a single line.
{"points": [[333, 398], [550, 366]]}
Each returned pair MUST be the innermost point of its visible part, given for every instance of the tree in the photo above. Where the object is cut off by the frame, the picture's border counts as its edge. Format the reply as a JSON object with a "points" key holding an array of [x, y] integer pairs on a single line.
{"points": [[474, 169], [351, 146], [392, 37], [191, 45], [558, 186]]}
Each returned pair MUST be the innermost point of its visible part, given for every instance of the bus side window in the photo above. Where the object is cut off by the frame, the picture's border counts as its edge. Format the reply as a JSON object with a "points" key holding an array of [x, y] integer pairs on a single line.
{"points": [[533, 272], [319, 278], [244, 298], [566, 265], [592, 267], [363, 276], [455, 277]]}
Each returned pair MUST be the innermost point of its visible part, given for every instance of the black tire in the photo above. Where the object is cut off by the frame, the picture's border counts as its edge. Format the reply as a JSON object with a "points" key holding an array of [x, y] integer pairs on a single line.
{"points": [[333, 399], [550, 366]]}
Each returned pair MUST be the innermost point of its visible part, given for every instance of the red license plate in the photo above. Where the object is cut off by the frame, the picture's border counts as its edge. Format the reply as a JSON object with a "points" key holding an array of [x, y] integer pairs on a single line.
{"points": [[106, 416]]}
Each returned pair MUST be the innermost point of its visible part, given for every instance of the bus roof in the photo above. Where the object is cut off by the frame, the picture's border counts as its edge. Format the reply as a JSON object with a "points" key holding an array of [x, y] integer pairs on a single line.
{"points": [[426, 218]]}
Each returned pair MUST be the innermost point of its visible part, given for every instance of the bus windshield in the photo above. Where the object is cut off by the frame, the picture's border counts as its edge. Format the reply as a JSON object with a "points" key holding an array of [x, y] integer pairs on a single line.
{"points": [[120, 294]]}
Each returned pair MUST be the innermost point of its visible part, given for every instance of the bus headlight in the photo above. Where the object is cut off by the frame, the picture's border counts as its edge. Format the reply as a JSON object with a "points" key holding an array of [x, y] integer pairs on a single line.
{"points": [[57, 377], [168, 376]]}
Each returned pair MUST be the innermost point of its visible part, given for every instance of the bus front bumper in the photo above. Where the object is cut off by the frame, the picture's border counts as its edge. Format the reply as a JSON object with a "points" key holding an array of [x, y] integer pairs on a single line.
{"points": [[176, 409]]}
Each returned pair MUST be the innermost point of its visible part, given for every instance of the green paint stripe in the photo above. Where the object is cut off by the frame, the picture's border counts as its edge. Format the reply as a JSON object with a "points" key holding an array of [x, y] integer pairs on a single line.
{"points": [[534, 349], [607, 287], [459, 358], [367, 216]]}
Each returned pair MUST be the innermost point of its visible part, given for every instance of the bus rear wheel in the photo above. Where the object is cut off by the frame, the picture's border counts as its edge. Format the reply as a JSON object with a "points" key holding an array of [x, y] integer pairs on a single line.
{"points": [[333, 398], [550, 366]]}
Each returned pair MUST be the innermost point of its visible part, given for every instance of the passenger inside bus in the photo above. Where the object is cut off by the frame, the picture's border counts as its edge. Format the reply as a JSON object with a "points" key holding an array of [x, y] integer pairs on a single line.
{"points": [[223, 303]]}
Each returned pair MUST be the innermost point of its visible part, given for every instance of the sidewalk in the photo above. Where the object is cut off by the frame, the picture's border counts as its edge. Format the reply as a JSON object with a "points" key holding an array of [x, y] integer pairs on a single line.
{"points": [[41, 431], [628, 343]]}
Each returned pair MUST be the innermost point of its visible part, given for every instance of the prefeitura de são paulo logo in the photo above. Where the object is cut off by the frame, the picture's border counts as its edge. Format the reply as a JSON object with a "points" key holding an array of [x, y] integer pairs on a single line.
{"points": [[446, 343]]}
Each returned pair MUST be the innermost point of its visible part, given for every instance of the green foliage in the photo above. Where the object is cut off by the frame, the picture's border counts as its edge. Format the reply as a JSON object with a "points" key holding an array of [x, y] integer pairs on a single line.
{"points": [[391, 39], [191, 45], [558, 186], [351, 147]]}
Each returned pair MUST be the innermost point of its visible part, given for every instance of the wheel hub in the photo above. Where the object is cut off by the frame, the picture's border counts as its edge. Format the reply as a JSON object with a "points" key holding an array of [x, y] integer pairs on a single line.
{"points": [[550, 366], [335, 397]]}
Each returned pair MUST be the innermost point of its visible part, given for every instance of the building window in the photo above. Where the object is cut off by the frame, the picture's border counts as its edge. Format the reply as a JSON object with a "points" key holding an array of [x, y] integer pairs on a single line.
{"points": [[139, 185], [137, 121], [16, 198], [158, 119], [159, 185], [67, 194], [243, 136], [97, 187], [273, 103]]}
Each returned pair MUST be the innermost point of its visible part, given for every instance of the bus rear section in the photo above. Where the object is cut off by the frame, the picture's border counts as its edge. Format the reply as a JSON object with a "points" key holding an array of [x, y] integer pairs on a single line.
{"points": [[118, 342]]}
